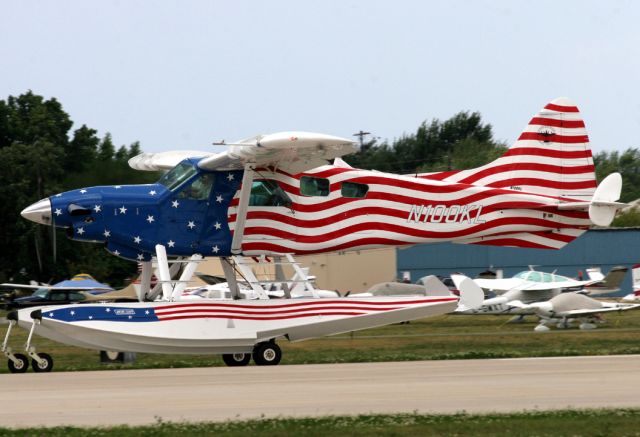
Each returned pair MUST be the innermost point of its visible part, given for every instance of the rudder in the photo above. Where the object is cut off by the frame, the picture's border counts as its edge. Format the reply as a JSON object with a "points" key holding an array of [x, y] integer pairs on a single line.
{"points": [[552, 156]]}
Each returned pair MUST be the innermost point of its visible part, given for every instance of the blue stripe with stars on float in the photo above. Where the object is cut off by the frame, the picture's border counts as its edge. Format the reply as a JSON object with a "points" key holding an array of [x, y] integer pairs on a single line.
{"points": [[101, 313]]}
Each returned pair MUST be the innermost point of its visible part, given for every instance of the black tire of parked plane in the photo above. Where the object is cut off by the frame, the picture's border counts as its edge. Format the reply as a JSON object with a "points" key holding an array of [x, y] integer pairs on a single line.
{"points": [[44, 367], [20, 367], [267, 354], [236, 360]]}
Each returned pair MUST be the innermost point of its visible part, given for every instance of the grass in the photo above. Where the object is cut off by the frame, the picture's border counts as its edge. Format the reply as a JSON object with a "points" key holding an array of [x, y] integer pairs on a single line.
{"points": [[443, 337], [605, 422]]}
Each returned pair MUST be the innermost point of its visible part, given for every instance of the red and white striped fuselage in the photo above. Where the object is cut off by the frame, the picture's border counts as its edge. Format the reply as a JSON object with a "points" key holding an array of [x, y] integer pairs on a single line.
{"points": [[512, 201]]}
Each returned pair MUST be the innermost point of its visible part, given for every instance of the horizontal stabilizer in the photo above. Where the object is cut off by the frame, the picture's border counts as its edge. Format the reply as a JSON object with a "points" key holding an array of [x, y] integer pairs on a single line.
{"points": [[471, 295], [604, 202]]}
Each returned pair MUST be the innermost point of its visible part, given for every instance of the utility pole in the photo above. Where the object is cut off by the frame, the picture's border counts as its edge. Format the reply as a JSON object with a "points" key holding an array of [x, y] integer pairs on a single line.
{"points": [[361, 135]]}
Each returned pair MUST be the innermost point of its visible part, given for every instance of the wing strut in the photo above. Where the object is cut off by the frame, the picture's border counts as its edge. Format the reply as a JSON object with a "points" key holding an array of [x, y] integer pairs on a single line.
{"points": [[145, 281], [243, 205]]}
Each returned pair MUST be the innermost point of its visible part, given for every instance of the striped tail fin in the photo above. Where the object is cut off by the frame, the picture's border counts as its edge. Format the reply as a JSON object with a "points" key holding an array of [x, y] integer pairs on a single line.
{"points": [[552, 156]]}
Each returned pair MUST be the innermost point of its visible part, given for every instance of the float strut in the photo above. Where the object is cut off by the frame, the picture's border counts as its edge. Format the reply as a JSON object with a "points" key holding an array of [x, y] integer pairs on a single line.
{"points": [[6, 349], [31, 350]]}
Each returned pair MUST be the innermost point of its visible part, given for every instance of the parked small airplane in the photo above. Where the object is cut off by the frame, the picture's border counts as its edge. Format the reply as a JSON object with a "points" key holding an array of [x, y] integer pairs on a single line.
{"points": [[566, 307], [635, 272], [68, 291], [551, 306], [530, 284], [278, 195]]}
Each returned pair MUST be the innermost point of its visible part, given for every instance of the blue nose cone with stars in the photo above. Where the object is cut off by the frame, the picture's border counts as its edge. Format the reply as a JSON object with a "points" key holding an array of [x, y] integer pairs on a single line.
{"points": [[186, 213]]}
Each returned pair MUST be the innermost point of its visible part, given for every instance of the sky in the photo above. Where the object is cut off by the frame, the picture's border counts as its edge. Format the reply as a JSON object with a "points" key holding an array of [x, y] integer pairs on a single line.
{"points": [[183, 74]]}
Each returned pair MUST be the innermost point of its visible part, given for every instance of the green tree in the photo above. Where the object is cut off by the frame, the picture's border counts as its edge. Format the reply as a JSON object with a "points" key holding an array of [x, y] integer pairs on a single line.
{"points": [[39, 156], [106, 149], [82, 149], [463, 141]]}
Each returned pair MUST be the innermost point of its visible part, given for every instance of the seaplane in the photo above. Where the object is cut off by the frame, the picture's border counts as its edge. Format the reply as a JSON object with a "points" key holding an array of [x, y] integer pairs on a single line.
{"points": [[290, 193]]}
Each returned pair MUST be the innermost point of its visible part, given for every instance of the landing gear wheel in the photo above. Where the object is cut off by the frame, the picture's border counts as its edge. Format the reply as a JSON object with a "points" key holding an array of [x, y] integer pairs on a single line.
{"points": [[21, 366], [45, 366], [236, 360], [267, 354]]}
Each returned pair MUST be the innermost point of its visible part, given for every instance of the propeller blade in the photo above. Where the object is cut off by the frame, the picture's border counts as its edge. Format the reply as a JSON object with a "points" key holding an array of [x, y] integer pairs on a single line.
{"points": [[53, 237]]}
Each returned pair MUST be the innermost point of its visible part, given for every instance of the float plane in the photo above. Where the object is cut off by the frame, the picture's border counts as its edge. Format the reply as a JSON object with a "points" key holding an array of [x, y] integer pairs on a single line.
{"points": [[290, 193]]}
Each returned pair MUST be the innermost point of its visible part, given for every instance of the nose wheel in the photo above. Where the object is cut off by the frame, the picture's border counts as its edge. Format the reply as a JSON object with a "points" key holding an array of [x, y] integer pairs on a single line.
{"points": [[43, 364], [19, 363]]}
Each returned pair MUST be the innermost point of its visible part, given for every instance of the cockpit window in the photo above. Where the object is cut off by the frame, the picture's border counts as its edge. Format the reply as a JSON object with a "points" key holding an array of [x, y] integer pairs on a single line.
{"points": [[199, 189], [268, 193], [535, 277], [41, 292], [177, 175]]}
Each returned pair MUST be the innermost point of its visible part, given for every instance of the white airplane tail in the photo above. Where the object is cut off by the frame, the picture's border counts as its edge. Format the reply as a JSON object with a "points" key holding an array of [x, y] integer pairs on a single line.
{"points": [[607, 284]]}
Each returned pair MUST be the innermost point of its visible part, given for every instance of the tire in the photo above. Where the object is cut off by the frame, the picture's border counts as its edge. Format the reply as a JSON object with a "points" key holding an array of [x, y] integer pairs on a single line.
{"points": [[236, 360], [20, 367], [267, 354], [44, 367]]}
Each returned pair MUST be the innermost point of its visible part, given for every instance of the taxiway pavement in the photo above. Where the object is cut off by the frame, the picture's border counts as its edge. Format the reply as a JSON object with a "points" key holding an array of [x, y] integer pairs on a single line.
{"points": [[220, 393]]}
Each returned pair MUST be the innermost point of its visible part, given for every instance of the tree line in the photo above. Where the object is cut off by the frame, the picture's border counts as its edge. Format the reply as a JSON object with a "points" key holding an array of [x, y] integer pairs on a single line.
{"points": [[41, 155]]}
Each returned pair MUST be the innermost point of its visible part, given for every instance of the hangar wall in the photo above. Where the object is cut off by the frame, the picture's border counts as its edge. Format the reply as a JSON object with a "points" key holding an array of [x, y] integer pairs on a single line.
{"points": [[603, 248]]}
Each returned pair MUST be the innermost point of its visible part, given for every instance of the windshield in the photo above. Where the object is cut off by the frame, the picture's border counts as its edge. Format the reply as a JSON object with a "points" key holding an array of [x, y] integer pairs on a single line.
{"points": [[41, 292], [177, 175]]}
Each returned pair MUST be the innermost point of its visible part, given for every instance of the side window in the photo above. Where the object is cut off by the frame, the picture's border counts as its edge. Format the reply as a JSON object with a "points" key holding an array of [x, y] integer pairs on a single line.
{"points": [[58, 296], [75, 296], [310, 186], [268, 193], [199, 189], [354, 190]]}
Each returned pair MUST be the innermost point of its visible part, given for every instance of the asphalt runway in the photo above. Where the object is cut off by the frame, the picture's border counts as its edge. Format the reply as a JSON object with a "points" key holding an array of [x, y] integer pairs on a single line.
{"points": [[219, 393]]}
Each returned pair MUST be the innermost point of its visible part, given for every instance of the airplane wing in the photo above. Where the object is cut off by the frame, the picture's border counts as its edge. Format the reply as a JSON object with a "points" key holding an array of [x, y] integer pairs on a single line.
{"points": [[608, 309], [163, 160], [503, 285], [293, 152], [51, 287]]}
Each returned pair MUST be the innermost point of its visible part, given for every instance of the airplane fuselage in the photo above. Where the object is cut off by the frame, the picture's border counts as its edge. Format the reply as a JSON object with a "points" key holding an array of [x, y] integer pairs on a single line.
{"points": [[330, 208]]}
